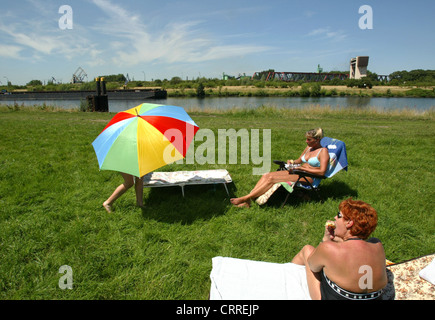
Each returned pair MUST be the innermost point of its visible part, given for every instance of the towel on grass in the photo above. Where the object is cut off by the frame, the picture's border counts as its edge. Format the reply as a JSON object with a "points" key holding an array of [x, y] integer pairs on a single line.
{"points": [[239, 279], [408, 281], [428, 273]]}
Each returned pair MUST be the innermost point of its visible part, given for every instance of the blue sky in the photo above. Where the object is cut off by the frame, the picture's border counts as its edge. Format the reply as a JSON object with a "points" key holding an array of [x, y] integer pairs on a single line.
{"points": [[191, 38]]}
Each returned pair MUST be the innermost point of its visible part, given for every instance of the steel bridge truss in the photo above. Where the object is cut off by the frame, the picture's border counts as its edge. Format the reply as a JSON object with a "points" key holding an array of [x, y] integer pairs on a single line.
{"points": [[302, 76]]}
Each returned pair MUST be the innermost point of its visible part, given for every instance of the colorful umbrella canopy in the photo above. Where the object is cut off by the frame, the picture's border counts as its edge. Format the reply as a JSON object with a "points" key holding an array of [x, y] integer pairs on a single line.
{"points": [[144, 138]]}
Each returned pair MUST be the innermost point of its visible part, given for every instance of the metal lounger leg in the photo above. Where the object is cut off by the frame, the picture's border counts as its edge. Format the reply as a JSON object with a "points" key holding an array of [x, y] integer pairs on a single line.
{"points": [[316, 190], [225, 185], [312, 188], [285, 201]]}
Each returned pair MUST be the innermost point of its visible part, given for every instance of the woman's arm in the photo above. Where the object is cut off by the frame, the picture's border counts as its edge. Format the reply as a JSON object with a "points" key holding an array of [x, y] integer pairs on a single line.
{"points": [[324, 251], [318, 257]]}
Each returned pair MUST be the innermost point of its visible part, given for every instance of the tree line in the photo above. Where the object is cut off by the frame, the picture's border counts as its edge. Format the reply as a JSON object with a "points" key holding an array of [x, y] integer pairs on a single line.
{"points": [[418, 77]]}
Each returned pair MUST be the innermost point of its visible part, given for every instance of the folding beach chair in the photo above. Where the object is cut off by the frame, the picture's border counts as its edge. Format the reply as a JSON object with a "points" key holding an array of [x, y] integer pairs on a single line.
{"points": [[337, 162]]}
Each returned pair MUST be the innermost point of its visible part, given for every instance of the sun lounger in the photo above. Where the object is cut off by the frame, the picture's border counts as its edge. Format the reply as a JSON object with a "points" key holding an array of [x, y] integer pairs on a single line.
{"points": [[337, 161], [184, 178]]}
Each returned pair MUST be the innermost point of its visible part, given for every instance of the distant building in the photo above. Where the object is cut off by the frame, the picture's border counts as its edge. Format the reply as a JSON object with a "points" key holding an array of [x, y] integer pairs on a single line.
{"points": [[358, 67]]}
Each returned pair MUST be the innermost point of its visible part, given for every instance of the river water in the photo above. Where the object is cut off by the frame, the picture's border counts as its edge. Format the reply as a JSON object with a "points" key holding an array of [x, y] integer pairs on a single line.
{"points": [[222, 103]]}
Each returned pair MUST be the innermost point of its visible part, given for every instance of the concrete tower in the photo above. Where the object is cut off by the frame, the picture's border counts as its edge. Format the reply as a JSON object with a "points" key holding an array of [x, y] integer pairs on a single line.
{"points": [[358, 67]]}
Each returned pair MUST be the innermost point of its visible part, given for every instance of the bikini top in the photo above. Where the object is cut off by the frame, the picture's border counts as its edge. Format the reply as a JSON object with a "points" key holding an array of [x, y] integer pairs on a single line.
{"points": [[313, 161]]}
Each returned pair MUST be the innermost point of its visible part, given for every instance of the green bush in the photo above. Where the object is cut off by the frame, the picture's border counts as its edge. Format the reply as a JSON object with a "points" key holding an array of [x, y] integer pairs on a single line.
{"points": [[200, 93], [305, 90], [315, 89], [310, 90], [417, 92]]}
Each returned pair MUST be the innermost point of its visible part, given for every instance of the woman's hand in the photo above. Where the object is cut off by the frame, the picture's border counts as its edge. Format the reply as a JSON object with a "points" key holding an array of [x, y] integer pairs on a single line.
{"points": [[304, 166], [329, 234]]}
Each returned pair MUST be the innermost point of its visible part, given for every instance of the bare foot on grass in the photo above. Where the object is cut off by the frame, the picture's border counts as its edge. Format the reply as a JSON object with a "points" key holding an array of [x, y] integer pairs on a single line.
{"points": [[240, 203], [107, 207], [243, 205]]}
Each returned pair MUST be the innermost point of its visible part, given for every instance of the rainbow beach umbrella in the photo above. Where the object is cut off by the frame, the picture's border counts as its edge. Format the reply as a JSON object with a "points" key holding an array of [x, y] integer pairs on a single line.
{"points": [[144, 138]]}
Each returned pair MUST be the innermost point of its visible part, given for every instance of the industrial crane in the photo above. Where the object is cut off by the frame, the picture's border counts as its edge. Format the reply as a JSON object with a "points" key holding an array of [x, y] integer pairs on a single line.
{"points": [[79, 76]]}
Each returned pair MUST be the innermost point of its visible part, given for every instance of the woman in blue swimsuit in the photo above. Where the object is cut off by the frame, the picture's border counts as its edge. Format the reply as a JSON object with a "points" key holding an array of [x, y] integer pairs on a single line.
{"points": [[345, 265], [314, 159]]}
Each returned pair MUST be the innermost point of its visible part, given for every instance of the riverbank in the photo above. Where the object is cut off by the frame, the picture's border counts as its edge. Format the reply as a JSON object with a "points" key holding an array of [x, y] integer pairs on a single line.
{"points": [[305, 90], [261, 89], [306, 111], [133, 94]]}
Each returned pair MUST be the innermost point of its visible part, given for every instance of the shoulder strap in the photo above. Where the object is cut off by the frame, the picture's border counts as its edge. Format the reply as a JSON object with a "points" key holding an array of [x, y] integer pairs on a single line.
{"points": [[319, 152]]}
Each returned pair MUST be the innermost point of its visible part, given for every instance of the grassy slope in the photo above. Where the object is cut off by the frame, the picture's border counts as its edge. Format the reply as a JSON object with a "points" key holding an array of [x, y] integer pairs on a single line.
{"points": [[51, 193]]}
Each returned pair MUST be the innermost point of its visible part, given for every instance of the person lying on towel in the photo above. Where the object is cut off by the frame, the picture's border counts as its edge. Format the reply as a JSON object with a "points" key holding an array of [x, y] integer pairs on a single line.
{"points": [[314, 159], [346, 266]]}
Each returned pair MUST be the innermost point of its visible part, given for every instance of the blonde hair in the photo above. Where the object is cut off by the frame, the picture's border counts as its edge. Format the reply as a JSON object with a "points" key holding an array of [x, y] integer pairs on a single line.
{"points": [[315, 133]]}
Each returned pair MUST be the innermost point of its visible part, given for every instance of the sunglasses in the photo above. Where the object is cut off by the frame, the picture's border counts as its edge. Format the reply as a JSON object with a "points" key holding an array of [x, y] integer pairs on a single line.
{"points": [[339, 215]]}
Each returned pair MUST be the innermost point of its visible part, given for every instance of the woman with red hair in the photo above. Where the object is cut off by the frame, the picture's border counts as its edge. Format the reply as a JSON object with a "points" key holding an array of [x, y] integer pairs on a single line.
{"points": [[345, 265]]}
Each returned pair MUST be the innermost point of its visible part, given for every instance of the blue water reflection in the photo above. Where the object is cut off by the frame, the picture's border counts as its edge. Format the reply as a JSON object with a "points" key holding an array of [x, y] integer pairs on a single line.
{"points": [[222, 103]]}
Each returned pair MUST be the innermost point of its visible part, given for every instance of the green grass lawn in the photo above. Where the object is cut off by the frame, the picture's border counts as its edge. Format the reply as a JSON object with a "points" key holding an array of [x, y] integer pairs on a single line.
{"points": [[51, 195]]}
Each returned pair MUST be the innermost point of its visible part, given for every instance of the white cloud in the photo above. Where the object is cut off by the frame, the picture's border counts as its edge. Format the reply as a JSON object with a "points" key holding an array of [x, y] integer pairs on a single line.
{"points": [[8, 51], [119, 37], [318, 32], [38, 36], [175, 42], [310, 13], [39, 41], [42, 44], [326, 33]]}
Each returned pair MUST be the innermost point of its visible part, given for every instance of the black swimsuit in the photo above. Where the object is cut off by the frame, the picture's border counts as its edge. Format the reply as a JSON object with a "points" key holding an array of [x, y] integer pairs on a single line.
{"points": [[331, 291]]}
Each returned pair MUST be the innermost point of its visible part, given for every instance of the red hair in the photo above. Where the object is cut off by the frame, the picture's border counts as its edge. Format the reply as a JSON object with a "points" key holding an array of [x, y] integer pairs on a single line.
{"points": [[364, 217]]}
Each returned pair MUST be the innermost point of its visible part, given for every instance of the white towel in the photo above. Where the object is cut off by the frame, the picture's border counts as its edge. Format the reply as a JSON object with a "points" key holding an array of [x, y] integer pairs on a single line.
{"points": [[239, 279], [428, 273]]}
